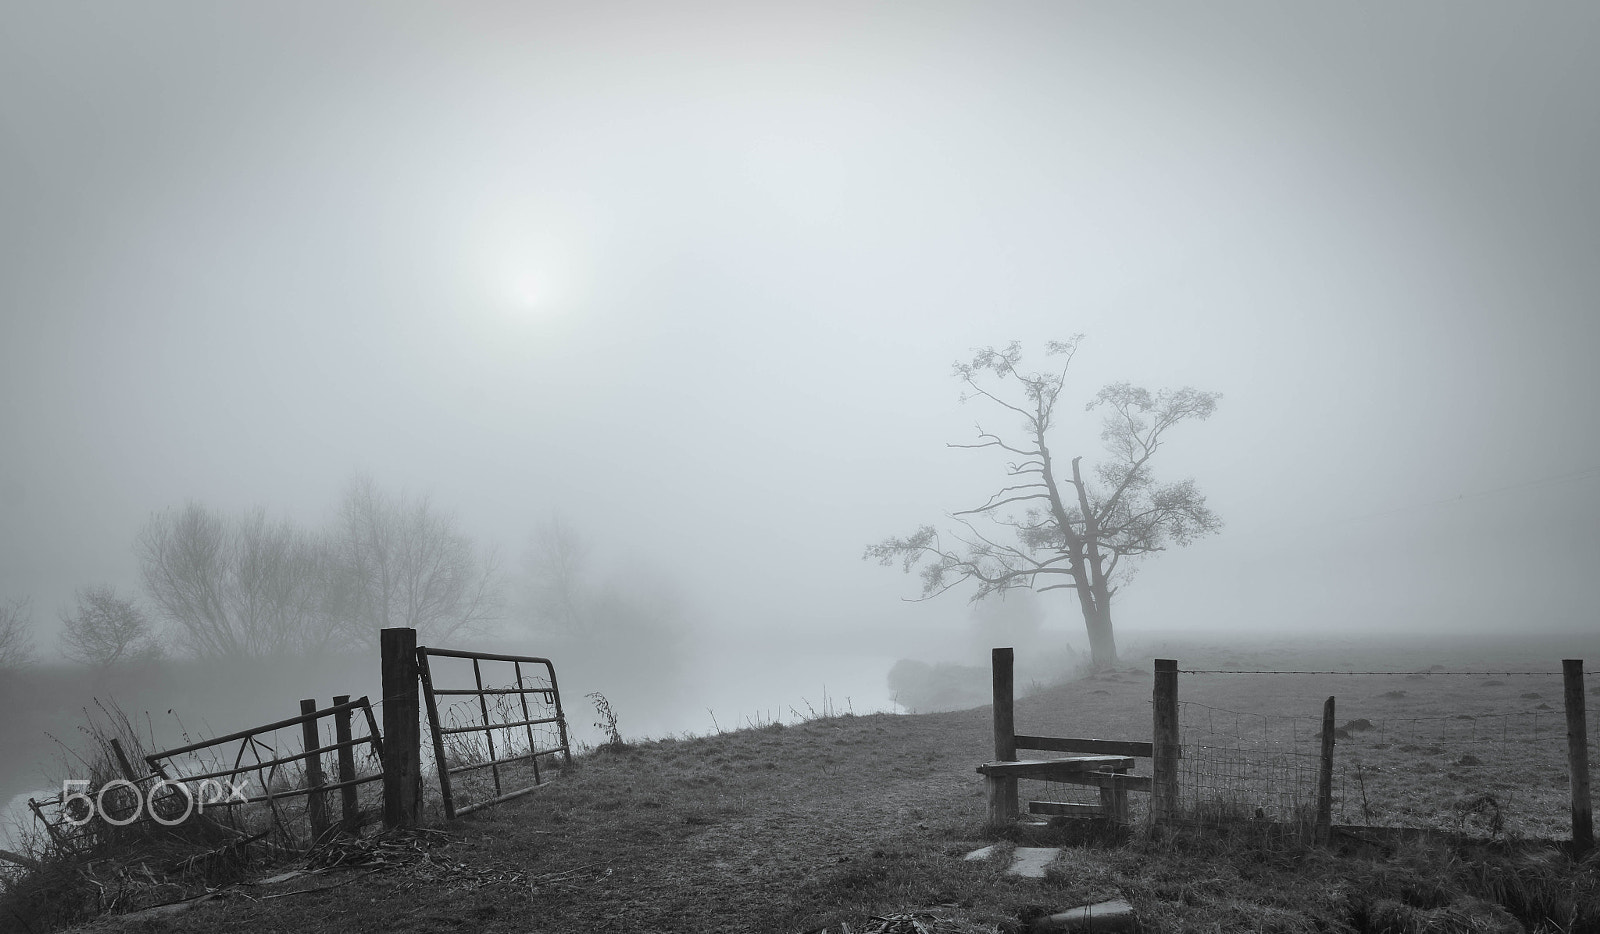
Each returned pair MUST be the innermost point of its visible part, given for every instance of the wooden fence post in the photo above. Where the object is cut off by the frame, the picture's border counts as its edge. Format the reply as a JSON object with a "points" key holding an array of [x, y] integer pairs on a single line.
{"points": [[1164, 742], [316, 801], [349, 806], [402, 732], [126, 768], [1323, 831], [1578, 757], [122, 761], [1002, 789]]}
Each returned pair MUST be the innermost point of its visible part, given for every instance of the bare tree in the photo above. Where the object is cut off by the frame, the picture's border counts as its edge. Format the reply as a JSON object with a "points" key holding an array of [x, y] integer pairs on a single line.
{"points": [[1073, 532], [16, 633], [106, 629], [240, 588], [403, 563]]}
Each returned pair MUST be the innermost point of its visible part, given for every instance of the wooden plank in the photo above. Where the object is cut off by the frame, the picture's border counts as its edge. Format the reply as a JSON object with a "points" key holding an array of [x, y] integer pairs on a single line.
{"points": [[1065, 809], [1106, 780], [1105, 747], [1049, 769], [1578, 757]]}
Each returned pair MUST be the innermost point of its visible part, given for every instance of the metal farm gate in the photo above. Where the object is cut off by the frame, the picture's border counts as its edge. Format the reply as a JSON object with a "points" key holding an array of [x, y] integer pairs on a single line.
{"points": [[464, 737]]}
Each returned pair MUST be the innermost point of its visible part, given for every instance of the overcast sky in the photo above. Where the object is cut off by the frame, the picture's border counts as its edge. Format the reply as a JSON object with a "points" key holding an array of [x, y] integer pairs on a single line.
{"points": [[694, 275]]}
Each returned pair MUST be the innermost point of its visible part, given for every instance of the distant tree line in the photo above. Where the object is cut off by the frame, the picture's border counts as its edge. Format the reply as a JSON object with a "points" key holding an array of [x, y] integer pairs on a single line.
{"points": [[248, 585]]}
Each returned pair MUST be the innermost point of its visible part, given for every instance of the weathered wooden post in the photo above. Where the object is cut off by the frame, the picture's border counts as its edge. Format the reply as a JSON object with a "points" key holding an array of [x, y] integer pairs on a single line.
{"points": [[1164, 742], [122, 761], [349, 806], [1323, 830], [402, 733], [1114, 802], [316, 800], [1002, 789], [1578, 757]]}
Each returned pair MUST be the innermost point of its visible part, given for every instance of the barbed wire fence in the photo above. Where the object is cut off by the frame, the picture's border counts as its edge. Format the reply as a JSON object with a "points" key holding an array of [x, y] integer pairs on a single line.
{"points": [[1479, 752]]}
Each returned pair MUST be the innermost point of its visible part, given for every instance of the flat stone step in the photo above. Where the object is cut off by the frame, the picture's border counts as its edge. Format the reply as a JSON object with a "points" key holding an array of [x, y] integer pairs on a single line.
{"points": [[1030, 862], [1115, 915]]}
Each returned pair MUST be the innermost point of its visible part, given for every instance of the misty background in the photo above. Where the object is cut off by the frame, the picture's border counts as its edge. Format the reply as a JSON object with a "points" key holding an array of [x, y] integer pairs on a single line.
{"points": [[692, 277]]}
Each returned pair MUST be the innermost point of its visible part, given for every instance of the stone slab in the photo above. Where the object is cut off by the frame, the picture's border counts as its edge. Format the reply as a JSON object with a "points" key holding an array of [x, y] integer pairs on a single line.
{"points": [[1115, 915], [1030, 862]]}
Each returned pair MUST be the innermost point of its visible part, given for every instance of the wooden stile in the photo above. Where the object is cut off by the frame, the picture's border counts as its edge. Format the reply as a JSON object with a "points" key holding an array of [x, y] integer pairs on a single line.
{"points": [[1066, 809], [1095, 762], [1100, 747], [1051, 770]]}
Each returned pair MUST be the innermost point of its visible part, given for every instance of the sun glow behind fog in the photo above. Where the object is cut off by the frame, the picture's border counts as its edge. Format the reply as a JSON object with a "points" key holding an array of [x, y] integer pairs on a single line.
{"points": [[529, 266], [529, 296], [530, 282]]}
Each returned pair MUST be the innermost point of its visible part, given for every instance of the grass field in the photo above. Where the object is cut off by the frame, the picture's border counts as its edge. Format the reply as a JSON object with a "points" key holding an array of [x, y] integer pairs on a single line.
{"points": [[830, 822]]}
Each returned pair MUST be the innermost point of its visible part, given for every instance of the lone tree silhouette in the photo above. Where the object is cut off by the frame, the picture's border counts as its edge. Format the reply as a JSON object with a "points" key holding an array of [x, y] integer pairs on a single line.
{"points": [[1073, 532]]}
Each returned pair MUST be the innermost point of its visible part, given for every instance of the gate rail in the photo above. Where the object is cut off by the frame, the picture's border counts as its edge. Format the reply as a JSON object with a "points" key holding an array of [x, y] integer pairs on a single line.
{"points": [[549, 696], [316, 785]]}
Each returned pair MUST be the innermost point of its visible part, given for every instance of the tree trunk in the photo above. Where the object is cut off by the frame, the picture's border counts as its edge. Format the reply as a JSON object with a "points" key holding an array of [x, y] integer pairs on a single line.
{"points": [[1102, 640]]}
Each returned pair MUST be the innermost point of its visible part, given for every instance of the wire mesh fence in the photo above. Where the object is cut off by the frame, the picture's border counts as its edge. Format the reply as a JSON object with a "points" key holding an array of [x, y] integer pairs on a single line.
{"points": [[1482, 753]]}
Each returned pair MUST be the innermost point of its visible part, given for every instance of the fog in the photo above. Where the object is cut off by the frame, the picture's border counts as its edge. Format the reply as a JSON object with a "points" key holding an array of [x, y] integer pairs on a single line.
{"points": [[693, 277]]}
